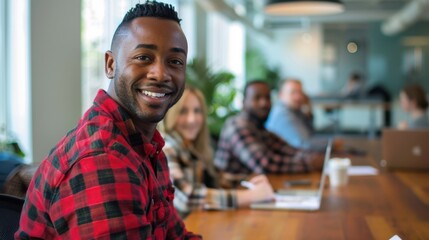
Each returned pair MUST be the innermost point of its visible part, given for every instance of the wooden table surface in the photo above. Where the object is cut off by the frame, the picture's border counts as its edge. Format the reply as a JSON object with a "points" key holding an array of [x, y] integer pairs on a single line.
{"points": [[369, 207]]}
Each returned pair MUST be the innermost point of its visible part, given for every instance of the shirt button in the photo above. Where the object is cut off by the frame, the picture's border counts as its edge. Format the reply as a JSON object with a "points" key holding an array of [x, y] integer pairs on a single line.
{"points": [[161, 214]]}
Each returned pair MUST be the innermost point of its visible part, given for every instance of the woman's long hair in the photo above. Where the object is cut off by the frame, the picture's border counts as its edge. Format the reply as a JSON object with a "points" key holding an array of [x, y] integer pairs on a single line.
{"points": [[201, 145], [416, 93]]}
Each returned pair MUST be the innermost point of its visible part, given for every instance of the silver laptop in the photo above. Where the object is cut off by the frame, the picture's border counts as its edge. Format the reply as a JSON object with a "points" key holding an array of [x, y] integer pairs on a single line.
{"points": [[307, 200], [405, 149]]}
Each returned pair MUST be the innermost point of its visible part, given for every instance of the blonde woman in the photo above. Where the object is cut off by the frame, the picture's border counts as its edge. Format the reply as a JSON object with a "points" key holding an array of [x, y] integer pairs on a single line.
{"points": [[189, 156]]}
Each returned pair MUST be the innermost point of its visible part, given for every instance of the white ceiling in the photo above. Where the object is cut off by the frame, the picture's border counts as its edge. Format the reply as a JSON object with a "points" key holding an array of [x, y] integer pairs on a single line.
{"points": [[395, 14], [359, 11]]}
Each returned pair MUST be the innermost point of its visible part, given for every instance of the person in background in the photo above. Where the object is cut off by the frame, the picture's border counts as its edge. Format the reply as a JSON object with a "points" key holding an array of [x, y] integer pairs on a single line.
{"points": [[413, 100], [10, 163], [246, 147], [354, 87], [291, 118], [19, 179], [108, 178], [190, 159]]}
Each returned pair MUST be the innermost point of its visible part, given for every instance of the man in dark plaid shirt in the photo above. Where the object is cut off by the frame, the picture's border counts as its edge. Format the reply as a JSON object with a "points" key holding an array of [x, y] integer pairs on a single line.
{"points": [[108, 177], [245, 147]]}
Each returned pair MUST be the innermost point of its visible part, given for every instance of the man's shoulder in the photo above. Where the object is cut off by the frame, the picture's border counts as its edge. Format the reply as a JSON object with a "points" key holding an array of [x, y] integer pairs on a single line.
{"points": [[279, 110], [94, 135], [421, 122], [237, 121]]}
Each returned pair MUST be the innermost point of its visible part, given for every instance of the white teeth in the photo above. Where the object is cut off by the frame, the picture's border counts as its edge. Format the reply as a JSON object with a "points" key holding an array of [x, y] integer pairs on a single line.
{"points": [[152, 94]]}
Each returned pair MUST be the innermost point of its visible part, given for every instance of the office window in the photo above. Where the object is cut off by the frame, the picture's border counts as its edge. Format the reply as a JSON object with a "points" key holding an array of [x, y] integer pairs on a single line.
{"points": [[226, 49], [14, 73], [2, 67]]}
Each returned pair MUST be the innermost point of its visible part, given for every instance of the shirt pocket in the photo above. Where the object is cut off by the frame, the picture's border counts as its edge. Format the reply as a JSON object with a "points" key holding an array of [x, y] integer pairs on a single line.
{"points": [[160, 210]]}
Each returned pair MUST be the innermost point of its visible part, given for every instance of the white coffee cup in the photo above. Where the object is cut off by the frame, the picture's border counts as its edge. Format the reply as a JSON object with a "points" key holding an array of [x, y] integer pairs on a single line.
{"points": [[338, 175]]}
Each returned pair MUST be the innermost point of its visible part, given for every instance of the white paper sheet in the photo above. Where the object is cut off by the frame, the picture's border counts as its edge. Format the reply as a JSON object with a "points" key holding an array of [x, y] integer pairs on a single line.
{"points": [[362, 170]]}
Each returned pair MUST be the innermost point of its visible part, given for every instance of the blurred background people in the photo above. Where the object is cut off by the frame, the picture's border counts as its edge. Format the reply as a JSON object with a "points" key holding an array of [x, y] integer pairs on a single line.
{"points": [[354, 87], [246, 147], [15, 174], [291, 118], [190, 160], [9, 164], [413, 100]]}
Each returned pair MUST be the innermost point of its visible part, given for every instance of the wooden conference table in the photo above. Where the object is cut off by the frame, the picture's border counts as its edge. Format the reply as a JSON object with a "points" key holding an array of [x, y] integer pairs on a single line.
{"points": [[369, 207]]}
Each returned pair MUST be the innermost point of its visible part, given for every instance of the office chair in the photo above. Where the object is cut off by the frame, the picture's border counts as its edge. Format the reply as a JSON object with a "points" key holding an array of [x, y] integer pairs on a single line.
{"points": [[10, 212]]}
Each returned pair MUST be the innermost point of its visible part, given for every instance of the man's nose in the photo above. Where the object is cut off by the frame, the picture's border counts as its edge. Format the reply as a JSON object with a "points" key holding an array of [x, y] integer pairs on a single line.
{"points": [[158, 71], [265, 102]]}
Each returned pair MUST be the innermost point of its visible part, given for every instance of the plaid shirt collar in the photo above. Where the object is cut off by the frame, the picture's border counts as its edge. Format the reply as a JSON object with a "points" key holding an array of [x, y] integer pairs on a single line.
{"points": [[125, 123]]}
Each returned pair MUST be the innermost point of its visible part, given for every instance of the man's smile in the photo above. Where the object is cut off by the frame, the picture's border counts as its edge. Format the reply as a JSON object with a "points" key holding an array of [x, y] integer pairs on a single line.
{"points": [[153, 94]]}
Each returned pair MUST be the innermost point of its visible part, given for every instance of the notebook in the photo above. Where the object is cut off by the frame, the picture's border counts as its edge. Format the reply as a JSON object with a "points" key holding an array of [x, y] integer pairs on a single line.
{"points": [[307, 200], [405, 149]]}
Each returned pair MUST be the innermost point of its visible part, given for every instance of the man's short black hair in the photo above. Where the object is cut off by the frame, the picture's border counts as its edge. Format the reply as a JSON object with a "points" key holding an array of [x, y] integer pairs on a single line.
{"points": [[147, 9], [253, 82], [151, 9]]}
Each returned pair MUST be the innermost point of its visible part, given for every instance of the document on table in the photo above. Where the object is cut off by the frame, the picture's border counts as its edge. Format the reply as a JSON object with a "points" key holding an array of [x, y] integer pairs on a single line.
{"points": [[362, 170]]}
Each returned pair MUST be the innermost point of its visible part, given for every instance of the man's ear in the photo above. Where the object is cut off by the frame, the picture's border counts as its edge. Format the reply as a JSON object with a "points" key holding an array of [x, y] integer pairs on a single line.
{"points": [[109, 64]]}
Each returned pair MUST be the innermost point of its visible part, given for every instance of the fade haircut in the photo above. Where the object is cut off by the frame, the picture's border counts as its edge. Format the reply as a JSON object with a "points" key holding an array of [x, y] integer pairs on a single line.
{"points": [[147, 9], [251, 83]]}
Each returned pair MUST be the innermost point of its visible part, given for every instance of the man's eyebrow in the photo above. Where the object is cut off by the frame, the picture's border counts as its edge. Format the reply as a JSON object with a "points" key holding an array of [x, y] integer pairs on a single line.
{"points": [[179, 50], [148, 46], [154, 47]]}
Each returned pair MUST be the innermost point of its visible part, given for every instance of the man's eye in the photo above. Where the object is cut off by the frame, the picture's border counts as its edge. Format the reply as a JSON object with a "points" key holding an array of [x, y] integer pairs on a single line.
{"points": [[143, 58], [176, 62]]}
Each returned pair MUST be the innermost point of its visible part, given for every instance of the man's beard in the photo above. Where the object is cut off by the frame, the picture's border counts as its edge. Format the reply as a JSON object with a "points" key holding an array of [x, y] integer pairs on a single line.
{"points": [[130, 103], [259, 119]]}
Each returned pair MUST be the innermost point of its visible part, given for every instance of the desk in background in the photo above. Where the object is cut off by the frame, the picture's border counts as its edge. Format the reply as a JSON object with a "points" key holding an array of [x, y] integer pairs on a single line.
{"points": [[370, 207], [336, 104]]}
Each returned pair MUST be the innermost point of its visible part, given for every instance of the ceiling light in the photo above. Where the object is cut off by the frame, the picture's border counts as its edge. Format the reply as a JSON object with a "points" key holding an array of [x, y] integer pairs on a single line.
{"points": [[303, 7], [352, 47]]}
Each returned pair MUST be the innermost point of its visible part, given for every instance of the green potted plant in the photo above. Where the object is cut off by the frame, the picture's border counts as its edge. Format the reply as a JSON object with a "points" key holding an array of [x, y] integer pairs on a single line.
{"points": [[257, 68], [8, 144], [218, 91]]}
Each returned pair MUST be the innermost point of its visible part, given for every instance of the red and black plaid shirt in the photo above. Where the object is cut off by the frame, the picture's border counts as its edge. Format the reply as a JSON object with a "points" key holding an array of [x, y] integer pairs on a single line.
{"points": [[246, 147], [102, 180]]}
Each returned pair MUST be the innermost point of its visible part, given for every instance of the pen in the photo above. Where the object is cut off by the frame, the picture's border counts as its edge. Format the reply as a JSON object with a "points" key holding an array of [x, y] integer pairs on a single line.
{"points": [[247, 184]]}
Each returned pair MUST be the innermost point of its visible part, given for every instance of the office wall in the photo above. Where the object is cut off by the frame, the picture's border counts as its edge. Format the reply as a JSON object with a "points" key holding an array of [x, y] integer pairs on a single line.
{"points": [[295, 52], [55, 71], [383, 60], [387, 57], [337, 62]]}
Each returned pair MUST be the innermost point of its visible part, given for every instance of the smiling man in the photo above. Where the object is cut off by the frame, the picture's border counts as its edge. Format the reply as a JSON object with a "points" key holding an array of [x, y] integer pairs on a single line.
{"points": [[108, 177]]}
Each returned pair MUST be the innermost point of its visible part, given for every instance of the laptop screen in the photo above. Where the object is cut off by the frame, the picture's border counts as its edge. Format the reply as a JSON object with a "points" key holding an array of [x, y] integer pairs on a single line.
{"points": [[325, 167], [309, 200]]}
